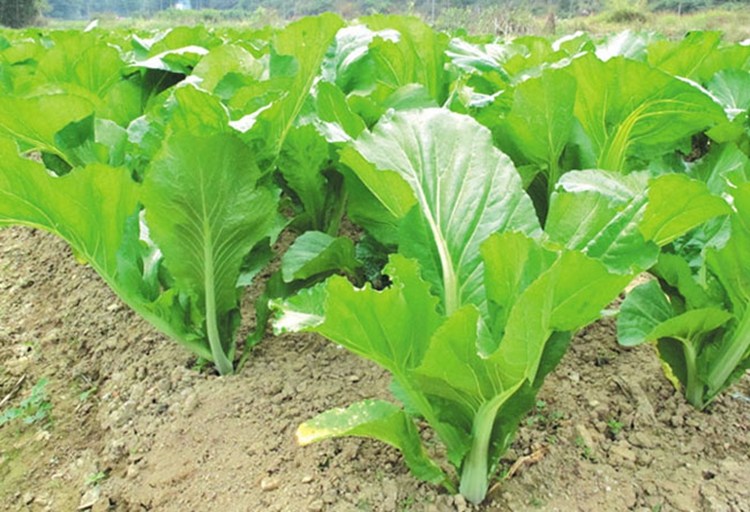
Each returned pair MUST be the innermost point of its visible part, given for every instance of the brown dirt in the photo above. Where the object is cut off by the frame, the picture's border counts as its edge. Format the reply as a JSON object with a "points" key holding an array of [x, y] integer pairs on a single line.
{"points": [[609, 432]]}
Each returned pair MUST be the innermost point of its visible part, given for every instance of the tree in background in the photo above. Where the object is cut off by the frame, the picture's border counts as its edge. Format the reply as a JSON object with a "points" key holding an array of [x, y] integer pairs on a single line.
{"points": [[21, 13], [69, 9]]}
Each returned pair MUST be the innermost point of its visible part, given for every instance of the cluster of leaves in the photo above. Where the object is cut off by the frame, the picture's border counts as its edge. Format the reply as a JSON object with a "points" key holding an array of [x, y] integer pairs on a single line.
{"points": [[157, 160], [697, 311], [165, 160]]}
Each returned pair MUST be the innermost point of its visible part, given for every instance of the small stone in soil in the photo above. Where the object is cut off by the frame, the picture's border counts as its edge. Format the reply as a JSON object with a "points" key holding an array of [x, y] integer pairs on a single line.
{"points": [[460, 503], [307, 479], [191, 404], [101, 505], [89, 498], [315, 506], [269, 484]]}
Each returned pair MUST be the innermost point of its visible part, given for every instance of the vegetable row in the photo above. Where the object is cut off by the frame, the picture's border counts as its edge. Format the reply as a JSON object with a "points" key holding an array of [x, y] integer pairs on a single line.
{"points": [[504, 194]]}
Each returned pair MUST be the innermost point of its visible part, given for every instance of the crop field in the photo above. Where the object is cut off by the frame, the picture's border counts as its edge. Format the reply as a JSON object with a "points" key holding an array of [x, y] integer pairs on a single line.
{"points": [[371, 266]]}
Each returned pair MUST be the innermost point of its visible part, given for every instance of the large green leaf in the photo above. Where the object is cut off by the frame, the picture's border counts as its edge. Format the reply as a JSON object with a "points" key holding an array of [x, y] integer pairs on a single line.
{"points": [[205, 213], [723, 165], [87, 207], [468, 389], [541, 119], [690, 325], [703, 331], [647, 316], [34, 121], [732, 88], [699, 56], [686, 58], [377, 420], [676, 272], [301, 45], [226, 59], [314, 253], [732, 266], [331, 107], [513, 261], [564, 297], [83, 59], [623, 219], [629, 109], [346, 64], [533, 54], [633, 45], [391, 327], [677, 204], [415, 56], [464, 188], [644, 308], [599, 213], [302, 162], [464, 377]]}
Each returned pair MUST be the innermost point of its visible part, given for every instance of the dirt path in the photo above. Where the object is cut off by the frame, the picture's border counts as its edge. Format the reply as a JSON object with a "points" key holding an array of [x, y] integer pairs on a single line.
{"points": [[135, 427]]}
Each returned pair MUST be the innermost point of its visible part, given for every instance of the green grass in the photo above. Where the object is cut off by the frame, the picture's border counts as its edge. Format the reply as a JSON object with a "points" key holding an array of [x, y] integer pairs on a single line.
{"points": [[734, 23]]}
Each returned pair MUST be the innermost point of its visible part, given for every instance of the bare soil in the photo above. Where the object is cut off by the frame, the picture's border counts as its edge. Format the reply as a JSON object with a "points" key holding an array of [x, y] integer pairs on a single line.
{"points": [[135, 427]]}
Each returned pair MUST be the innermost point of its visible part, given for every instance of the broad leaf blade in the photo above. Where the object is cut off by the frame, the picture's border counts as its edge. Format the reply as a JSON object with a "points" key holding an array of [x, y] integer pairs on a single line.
{"points": [[302, 161], [541, 119], [87, 207], [628, 108], [465, 189], [379, 420], [566, 296], [677, 204], [206, 214], [306, 41], [314, 253], [644, 308], [391, 327], [599, 213], [35, 121]]}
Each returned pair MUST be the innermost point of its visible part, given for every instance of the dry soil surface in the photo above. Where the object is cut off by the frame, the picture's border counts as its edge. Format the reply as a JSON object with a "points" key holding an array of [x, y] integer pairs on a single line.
{"points": [[136, 427]]}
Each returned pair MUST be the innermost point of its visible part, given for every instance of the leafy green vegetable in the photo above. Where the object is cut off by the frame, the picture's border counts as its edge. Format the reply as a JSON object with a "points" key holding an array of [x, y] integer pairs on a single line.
{"points": [[471, 325], [698, 311], [297, 54], [626, 108], [205, 216], [540, 123], [309, 172], [460, 184], [377, 420]]}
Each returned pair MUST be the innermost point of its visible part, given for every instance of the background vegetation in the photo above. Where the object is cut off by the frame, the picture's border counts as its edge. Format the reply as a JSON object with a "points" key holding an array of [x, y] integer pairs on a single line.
{"points": [[499, 16]]}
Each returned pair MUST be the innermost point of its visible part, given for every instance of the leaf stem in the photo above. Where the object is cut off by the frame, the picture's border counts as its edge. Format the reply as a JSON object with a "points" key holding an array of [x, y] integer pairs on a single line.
{"points": [[222, 362], [729, 359], [476, 467], [552, 177], [694, 385], [474, 472]]}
